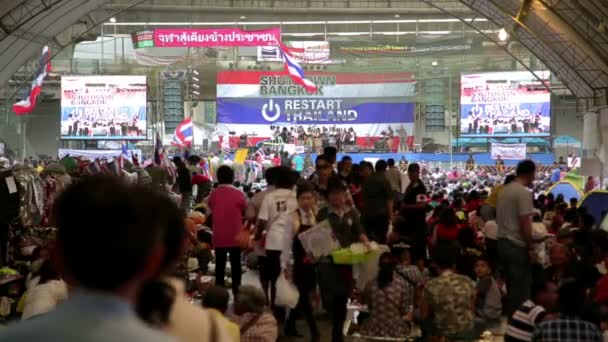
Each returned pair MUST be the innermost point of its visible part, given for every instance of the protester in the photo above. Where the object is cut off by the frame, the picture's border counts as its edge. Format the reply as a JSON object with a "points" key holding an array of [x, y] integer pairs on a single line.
{"points": [[253, 208], [448, 300], [543, 301], [336, 281], [514, 211], [569, 326], [304, 270], [47, 294], [345, 169], [386, 300], [273, 221], [410, 273], [257, 324], [414, 213], [488, 306], [228, 207], [184, 182], [126, 224], [216, 300], [378, 200], [394, 178]]}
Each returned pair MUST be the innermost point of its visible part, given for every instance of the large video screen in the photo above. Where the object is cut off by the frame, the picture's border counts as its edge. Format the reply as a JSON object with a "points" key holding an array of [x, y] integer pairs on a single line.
{"points": [[505, 104], [103, 107]]}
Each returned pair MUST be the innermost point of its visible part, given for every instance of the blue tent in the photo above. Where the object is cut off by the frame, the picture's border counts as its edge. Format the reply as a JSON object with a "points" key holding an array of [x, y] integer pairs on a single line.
{"points": [[595, 201], [567, 189]]}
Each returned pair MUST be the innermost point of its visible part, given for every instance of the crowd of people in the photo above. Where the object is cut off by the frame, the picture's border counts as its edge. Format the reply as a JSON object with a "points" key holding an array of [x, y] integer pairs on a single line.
{"points": [[466, 252], [317, 138]]}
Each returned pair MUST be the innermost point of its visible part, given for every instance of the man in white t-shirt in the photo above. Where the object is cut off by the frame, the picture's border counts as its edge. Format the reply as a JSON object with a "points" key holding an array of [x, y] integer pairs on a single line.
{"points": [[273, 219], [514, 211]]}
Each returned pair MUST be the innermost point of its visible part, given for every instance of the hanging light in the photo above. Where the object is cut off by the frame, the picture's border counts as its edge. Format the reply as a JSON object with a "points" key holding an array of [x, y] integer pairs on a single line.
{"points": [[503, 35]]}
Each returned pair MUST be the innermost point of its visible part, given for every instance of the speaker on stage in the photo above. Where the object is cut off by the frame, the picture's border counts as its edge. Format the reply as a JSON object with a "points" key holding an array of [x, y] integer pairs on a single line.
{"points": [[351, 149], [380, 146]]}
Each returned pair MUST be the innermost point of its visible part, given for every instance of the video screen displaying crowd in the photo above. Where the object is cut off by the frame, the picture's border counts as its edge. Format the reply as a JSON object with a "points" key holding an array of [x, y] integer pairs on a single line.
{"points": [[503, 119], [459, 255], [84, 125]]}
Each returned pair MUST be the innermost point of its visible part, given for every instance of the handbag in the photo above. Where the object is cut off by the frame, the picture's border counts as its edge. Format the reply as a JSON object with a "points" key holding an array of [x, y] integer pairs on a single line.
{"points": [[244, 238]]}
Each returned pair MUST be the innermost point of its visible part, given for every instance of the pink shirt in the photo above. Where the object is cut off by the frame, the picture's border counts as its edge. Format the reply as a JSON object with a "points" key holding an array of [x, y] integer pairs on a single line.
{"points": [[228, 206]]}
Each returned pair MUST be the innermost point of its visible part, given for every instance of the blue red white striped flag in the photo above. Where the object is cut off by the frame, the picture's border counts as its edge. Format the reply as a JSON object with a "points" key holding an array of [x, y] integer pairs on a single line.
{"points": [[114, 168], [94, 168], [28, 101], [293, 68], [184, 134], [158, 145]]}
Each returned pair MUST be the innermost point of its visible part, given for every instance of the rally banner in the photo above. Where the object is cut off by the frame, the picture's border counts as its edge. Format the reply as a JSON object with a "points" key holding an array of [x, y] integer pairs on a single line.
{"points": [[310, 52], [103, 107], [275, 84], [508, 151], [366, 105], [374, 49], [216, 37], [505, 103]]}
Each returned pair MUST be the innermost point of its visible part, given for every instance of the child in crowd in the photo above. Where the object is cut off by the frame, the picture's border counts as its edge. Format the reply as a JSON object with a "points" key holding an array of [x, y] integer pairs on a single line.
{"points": [[336, 281], [304, 270], [488, 303]]}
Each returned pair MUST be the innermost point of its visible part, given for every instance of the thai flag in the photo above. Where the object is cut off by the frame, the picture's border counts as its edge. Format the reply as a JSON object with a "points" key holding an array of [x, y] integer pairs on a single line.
{"points": [[114, 168], [94, 168], [184, 134], [295, 70], [28, 102], [134, 159], [261, 152], [124, 150], [158, 145]]}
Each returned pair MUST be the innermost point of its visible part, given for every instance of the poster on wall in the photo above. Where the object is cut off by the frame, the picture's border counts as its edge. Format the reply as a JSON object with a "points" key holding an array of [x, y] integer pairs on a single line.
{"points": [[310, 52], [364, 106], [103, 107], [505, 104]]}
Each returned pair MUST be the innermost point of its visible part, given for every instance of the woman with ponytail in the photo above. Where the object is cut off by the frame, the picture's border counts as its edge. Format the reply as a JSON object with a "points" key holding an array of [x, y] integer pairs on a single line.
{"points": [[385, 296]]}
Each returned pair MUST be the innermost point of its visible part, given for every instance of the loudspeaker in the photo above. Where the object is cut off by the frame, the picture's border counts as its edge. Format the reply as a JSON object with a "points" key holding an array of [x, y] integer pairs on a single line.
{"points": [[205, 145], [351, 149]]}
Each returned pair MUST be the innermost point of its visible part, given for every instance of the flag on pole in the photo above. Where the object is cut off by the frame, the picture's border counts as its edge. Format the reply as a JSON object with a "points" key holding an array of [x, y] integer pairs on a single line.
{"points": [[28, 102], [124, 149], [134, 159], [293, 68], [157, 150], [184, 134]]}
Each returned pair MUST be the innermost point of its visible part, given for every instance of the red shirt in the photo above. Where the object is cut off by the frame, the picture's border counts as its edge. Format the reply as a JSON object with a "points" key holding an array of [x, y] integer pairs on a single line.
{"points": [[447, 233], [228, 206], [276, 161]]}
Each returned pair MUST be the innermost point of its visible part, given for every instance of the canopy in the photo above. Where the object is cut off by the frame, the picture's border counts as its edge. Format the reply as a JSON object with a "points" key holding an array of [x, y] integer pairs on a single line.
{"points": [[596, 202], [566, 140], [567, 189]]}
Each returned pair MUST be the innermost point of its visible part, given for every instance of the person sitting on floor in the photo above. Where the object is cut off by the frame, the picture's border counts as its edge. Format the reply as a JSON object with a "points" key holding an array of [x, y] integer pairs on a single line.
{"points": [[216, 300], [256, 322], [385, 296]]}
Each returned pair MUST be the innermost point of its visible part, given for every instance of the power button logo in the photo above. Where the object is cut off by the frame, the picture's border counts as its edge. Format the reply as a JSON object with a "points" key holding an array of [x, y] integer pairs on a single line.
{"points": [[271, 111]]}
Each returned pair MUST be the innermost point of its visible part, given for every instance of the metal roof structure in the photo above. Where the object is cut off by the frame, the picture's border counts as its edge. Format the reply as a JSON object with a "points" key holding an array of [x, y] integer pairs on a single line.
{"points": [[569, 36]]}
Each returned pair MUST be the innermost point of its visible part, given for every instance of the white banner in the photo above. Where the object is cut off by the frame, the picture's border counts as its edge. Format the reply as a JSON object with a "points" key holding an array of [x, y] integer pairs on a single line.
{"points": [[101, 154], [509, 151], [303, 52]]}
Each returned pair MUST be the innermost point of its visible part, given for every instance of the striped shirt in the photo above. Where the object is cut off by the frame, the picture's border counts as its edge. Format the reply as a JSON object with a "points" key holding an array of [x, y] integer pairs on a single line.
{"points": [[521, 325]]}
